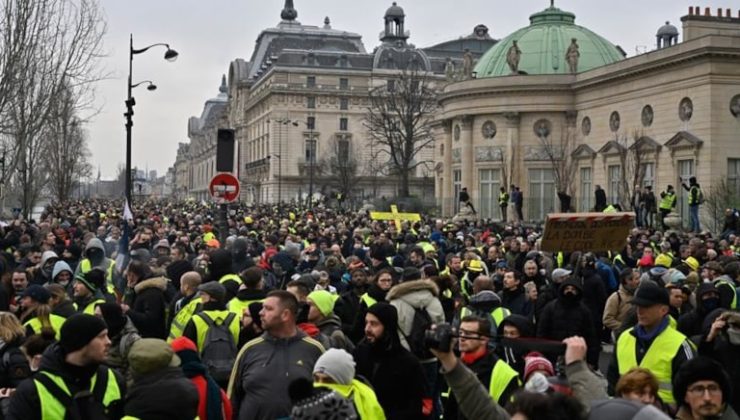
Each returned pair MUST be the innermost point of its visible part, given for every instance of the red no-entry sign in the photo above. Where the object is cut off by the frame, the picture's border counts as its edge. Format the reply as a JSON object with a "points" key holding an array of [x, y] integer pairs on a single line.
{"points": [[224, 187]]}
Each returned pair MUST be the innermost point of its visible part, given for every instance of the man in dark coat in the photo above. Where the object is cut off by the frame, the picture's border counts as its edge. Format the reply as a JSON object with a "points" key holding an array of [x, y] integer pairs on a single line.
{"points": [[722, 343], [512, 297], [567, 316], [691, 323], [394, 372], [600, 196]]}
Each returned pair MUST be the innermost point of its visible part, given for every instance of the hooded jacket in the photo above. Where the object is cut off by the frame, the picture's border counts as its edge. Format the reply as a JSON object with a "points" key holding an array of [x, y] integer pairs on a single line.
{"points": [[145, 399], [331, 327], [103, 264], [26, 404], [148, 307], [394, 373], [690, 324], [563, 318], [221, 265], [416, 294], [43, 276], [255, 390]]}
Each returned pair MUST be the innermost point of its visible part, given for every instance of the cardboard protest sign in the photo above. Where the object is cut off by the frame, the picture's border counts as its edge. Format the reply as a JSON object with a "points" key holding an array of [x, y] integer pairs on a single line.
{"points": [[568, 232]]}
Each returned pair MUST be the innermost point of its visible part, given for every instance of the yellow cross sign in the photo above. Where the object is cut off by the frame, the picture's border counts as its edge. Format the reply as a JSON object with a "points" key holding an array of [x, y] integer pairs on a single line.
{"points": [[395, 216]]}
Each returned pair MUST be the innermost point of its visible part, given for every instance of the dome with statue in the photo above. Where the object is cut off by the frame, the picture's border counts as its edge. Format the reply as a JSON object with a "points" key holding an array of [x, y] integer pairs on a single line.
{"points": [[551, 44]]}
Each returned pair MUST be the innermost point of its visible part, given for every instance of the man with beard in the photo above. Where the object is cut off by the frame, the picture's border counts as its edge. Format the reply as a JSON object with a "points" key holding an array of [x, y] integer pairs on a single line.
{"points": [[703, 391], [722, 343], [567, 316], [348, 304], [512, 297], [375, 293], [393, 371]]}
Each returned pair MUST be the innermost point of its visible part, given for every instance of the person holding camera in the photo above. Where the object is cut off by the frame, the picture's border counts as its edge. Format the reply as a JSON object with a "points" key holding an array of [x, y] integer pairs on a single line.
{"points": [[500, 379], [722, 343]]}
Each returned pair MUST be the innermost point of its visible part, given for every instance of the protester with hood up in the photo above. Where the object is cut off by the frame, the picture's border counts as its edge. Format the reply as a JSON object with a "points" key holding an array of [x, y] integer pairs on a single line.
{"points": [[220, 269], [514, 326], [707, 300], [44, 271], [703, 391], [62, 275], [145, 302], [721, 342], [240, 260], [95, 258], [155, 367], [394, 373], [213, 403], [122, 334], [567, 316]]}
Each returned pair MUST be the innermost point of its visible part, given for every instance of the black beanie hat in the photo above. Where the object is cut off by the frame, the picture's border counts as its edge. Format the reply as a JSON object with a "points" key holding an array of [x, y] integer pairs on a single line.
{"points": [[114, 318], [386, 314], [701, 369], [78, 330]]}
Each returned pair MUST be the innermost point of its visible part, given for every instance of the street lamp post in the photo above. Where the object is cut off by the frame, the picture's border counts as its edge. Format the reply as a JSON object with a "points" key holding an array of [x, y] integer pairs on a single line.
{"points": [[312, 162], [282, 122], [169, 55]]}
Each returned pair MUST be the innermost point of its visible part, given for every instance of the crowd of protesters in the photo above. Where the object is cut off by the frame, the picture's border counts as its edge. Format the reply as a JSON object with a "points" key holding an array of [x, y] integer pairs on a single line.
{"points": [[283, 312]]}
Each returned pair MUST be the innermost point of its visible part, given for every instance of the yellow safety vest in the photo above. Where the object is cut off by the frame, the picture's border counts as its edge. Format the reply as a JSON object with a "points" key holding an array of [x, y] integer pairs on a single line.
{"points": [[86, 267], [55, 320], [561, 259], [503, 199], [725, 283], [501, 377], [363, 397], [658, 359], [610, 209], [497, 314], [53, 409], [228, 277], [694, 197], [182, 317], [90, 308], [369, 301], [667, 201], [239, 306], [218, 317]]}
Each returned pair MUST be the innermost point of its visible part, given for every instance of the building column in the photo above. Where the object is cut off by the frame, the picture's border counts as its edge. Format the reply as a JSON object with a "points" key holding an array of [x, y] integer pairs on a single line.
{"points": [[448, 200], [467, 156], [511, 153]]}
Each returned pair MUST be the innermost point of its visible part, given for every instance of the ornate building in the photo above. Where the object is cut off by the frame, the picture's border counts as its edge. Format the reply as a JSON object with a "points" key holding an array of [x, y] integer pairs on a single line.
{"points": [[181, 171], [554, 106], [302, 98]]}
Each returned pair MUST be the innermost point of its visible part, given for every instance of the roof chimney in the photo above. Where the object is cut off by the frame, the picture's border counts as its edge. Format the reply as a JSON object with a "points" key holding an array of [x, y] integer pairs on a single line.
{"points": [[719, 12], [707, 11]]}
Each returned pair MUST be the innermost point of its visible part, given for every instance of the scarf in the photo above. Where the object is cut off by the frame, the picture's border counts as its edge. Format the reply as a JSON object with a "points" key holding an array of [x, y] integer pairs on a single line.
{"points": [[645, 336], [470, 358], [193, 367]]}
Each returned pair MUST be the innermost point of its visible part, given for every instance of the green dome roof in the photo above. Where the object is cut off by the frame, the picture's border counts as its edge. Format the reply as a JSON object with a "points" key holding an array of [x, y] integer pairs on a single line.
{"points": [[543, 45]]}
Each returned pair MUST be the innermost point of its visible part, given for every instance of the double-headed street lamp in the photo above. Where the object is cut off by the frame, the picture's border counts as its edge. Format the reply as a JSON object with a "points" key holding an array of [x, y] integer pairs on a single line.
{"points": [[169, 55]]}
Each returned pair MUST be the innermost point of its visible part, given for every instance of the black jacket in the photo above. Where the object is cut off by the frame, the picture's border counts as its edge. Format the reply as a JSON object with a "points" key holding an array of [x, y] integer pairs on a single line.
{"points": [[65, 309], [145, 399], [26, 405], [721, 350], [600, 195], [594, 296], [396, 376], [148, 307], [358, 329], [516, 301], [14, 367]]}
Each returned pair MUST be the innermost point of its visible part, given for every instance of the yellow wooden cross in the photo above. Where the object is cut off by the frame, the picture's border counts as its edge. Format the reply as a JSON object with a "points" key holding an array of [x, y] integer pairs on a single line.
{"points": [[395, 216]]}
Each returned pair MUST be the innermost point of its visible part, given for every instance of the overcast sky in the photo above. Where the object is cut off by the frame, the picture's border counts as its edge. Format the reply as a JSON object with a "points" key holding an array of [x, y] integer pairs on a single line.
{"points": [[209, 34]]}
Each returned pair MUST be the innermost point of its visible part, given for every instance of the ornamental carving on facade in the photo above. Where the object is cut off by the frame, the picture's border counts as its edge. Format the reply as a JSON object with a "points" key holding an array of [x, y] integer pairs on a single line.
{"points": [[586, 126], [540, 153], [488, 154], [488, 130], [456, 132], [614, 121], [685, 109], [542, 128], [456, 155], [647, 116], [735, 106]]}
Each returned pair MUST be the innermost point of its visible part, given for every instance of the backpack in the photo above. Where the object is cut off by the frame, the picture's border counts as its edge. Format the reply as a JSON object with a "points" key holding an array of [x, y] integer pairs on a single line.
{"points": [[419, 326], [219, 350]]}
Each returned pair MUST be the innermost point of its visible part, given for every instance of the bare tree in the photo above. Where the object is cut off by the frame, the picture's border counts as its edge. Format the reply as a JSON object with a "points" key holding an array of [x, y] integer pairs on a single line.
{"points": [[341, 167], [57, 46], [399, 119], [720, 197], [559, 151], [632, 158], [66, 157]]}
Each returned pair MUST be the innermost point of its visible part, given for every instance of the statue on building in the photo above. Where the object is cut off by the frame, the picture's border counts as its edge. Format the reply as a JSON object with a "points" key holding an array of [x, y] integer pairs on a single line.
{"points": [[513, 56], [467, 70], [449, 70], [572, 55]]}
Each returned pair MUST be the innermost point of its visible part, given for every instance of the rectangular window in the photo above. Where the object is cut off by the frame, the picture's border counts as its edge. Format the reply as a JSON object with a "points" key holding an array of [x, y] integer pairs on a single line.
{"points": [[344, 104], [310, 151], [733, 176], [391, 86], [648, 174], [310, 81], [457, 187], [343, 150], [311, 123], [586, 190], [615, 183], [343, 123], [685, 171], [311, 104], [541, 193], [490, 182], [343, 83]]}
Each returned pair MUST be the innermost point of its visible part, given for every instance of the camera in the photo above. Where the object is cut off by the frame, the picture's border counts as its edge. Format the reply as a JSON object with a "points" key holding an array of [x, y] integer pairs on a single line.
{"points": [[440, 338]]}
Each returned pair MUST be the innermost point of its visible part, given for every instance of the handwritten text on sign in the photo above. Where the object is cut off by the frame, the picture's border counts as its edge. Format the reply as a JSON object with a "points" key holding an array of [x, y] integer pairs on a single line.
{"points": [[568, 232]]}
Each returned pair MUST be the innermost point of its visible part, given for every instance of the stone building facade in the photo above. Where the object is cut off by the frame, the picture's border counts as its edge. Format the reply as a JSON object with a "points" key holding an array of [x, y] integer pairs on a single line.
{"points": [[536, 112]]}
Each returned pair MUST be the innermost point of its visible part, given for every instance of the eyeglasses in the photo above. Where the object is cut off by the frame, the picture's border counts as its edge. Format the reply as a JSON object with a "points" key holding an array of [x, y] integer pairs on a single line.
{"points": [[699, 390], [469, 335]]}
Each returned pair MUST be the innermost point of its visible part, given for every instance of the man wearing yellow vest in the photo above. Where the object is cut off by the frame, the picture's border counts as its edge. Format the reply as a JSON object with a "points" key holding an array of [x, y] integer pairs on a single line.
{"points": [[211, 330], [494, 374], [667, 203], [185, 307], [250, 291], [87, 292], [651, 344], [95, 258], [72, 381]]}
